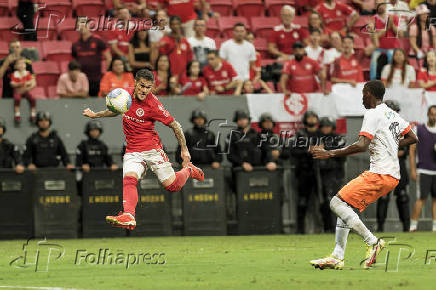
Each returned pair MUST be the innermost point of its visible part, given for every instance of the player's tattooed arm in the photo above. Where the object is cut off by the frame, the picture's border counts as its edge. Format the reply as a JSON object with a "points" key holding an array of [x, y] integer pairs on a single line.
{"points": [[178, 132], [91, 114]]}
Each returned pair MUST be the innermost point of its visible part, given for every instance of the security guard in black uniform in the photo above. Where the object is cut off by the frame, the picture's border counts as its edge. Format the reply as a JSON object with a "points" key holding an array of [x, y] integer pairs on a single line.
{"points": [[400, 191], [201, 142], [266, 125], [305, 171], [93, 153], [44, 148], [244, 146], [331, 170], [10, 156]]}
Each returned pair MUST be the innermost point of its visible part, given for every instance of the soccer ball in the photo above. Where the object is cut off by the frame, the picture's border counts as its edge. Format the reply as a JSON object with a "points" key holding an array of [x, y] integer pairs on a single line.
{"points": [[118, 101]]}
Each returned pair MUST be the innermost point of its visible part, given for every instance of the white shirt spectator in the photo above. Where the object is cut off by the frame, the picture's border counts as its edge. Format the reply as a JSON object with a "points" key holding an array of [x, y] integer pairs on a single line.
{"points": [[409, 77], [239, 56], [317, 54], [157, 34], [201, 48], [331, 55]]}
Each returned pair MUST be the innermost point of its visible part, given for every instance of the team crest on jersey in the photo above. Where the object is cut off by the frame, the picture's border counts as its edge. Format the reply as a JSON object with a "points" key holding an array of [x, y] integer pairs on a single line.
{"points": [[282, 35], [295, 34], [139, 112], [183, 46], [198, 84], [338, 13], [308, 66], [353, 62], [293, 67], [224, 74]]}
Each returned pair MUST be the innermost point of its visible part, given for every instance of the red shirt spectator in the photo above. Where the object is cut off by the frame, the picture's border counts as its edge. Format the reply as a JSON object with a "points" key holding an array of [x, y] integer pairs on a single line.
{"points": [[221, 76], [389, 40], [121, 32], [182, 8], [20, 78], [425, 76], [117, 77], [302, 75], [192, 87], [335, 15], [346, 68]]}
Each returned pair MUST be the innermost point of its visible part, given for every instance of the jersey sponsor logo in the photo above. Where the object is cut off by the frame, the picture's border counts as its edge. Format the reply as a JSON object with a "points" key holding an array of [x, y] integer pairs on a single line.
{"points": [[139, 112], [133, 119], [395, 130], [165, 112], [295, 104]]}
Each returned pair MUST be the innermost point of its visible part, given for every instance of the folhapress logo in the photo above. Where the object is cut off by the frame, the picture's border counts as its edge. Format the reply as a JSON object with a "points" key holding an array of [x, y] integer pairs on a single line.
{"points": [[38, 255]]}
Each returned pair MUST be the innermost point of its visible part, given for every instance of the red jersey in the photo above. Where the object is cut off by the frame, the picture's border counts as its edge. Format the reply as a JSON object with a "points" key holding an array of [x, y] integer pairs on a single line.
{"points": [[138, 123], [121, 37], [192, 87], [334, 18], [302, 75], [179, 54], [21, 78], [285, 38], [347, 68], [182, 8], [424, 76], [389, 40], [220, 77], [257, 65]]}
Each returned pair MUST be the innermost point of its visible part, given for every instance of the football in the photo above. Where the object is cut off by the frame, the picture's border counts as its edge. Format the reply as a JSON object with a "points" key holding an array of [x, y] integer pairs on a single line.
{"points": [[118, 101]]}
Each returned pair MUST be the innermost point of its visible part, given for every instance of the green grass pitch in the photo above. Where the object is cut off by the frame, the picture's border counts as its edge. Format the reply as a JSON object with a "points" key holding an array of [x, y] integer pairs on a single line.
{"points": [[230, 262]]}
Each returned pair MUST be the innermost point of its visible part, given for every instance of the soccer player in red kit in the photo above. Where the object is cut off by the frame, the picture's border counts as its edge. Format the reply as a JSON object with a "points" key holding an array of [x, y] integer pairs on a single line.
{"points": [[144, 147]]}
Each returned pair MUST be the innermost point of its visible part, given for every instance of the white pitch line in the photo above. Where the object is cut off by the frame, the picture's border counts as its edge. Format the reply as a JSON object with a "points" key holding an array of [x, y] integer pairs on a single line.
{"points": [[41, 288]]}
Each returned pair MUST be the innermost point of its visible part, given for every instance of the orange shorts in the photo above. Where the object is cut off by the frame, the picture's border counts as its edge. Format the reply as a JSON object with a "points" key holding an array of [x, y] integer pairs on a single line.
{"points": [[367, 188]]}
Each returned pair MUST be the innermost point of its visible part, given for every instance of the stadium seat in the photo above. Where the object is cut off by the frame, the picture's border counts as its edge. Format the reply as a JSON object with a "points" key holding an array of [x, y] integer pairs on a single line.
{"points": [[218, 42], [274, 6], [213, 30], [64, 8], [63, 66], [57, 50], [249, 8], [46, 27], [263, 26], [67, 30], [264, 62], [4, 8], [51, 92], [47, 73], [301, 20], [13, 4], [109, 4], [6, 28], [226, 25], [91, 8], [223, 7], [261, 45], [39, 93], [4, 49]]}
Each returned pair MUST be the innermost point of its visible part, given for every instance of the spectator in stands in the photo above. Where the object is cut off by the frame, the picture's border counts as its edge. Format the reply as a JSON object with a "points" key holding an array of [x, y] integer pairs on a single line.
{"points": [[315, 22], [7, 66], [25, 12], [74, 83], [141, 54], [160, 28], [347, 69], [298, 74], [244, 145], [162, 76], [92, 152], [120, 34], [397, 7], [255, 70], [193, 84], [285, 35], [259, 87], [239, 53], [314, 50], [44, 148], [200, 43], [116, 77], [23, 81], [384, 32], [427, 76], [138, 8], [176, 47], [422, 36], [335, 51], [10, 157], [201, 142], [399, 73], [220, 76], [185, 10], [90, 51], [337, 16], [366, 7]]}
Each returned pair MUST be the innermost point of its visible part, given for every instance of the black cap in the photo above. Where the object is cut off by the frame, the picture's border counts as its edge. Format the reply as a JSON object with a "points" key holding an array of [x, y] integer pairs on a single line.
{"points": [[198, 114], [93, 124], [394, 105], [297, 44]]}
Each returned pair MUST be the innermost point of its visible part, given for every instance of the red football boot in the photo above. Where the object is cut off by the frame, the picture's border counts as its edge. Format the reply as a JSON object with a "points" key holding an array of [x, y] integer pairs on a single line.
{"points": [[196, 172], [122, 220]]}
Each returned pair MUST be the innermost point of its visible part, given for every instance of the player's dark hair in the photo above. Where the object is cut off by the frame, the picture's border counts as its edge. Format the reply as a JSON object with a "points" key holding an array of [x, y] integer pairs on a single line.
{"points": [[175, 17], [376, 88], [238, 24], [145, 74], [74, 65], [431, 107], [213, 51]]}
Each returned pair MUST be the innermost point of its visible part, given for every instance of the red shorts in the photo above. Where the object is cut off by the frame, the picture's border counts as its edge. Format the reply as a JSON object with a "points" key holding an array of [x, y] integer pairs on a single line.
{"points": [[367, 188]]}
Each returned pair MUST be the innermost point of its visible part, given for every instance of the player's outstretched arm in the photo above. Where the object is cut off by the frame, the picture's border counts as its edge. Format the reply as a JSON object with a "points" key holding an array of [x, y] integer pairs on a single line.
{"points": [[361, 145], [184, 152], [91, 114]]}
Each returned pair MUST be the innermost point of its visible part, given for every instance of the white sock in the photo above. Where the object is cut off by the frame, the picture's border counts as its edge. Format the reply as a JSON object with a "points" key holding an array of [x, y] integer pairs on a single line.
{"points": [[434, 225], [347, 214], [341, 236], [413, 225]]}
